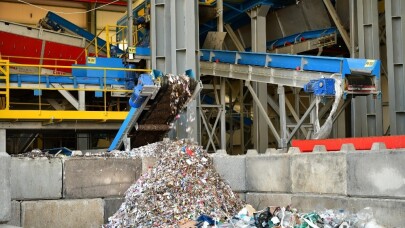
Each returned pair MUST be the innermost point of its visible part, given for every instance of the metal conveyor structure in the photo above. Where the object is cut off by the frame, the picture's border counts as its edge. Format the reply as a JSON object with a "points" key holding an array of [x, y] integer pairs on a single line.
{"points": [[359, 77], [152, 108]]}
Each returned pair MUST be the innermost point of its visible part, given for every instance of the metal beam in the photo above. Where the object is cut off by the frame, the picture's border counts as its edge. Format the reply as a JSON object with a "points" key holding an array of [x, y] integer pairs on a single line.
{"points": [[338, 23], [309, 110], [295, 115], [223, 112], [67, 125], [62, 115], [234, 38], [66, 94], [367, 111], [258, 29], [130, 24], [283, 117], [395, 27], [263, 112], [263, 75]]}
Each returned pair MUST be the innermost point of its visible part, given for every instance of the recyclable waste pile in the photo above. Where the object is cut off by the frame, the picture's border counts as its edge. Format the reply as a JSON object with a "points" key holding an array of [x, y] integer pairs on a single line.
{"points": [[179, 190], [290, 218]]}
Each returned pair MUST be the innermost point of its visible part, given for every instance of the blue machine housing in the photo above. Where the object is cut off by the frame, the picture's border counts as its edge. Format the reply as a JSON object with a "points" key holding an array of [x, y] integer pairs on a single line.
{"points": [[102, 63], [137, 99], [321, 87]]}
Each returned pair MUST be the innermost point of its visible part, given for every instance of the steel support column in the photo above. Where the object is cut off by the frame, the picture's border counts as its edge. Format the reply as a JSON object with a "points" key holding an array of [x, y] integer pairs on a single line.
{"points": [[395, 27], [223, 113], [353, 28], [82, 141], [367, 111], [283, 117], [82, 98], [242, 116], [258, 26], [130, 23], [3, 140], [174, 49], [91, 17]]}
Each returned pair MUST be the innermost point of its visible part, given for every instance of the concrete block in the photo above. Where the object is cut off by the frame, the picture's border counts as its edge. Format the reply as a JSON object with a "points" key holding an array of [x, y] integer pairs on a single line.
{"points": [[99, 177], [268, 173], [387, 212], [270, 151], [319, 173], [8, 226], [319, 148], [15, 219], [347, 147], [294, 150], [148, 162], [5, 194], [309, 203], [376, 173], [221, 151], [232, 170], [251, 152], [39, 178], [378, 146], [62, 213], [262, 200], [242, 196], [111, 205]]}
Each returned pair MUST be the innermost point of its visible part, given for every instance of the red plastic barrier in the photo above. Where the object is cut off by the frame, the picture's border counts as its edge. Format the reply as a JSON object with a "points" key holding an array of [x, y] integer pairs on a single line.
{"points": [[391, 142]]}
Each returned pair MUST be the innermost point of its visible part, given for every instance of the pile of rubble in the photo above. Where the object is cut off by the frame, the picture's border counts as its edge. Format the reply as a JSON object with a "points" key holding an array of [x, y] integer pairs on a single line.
{"points": [[181, 188]]}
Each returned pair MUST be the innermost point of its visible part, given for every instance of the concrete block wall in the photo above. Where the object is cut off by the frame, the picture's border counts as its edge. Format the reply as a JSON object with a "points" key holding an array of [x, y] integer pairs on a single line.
{"points": [[376, 174], [63, 213], [232, 169], [323, 173], [350, 180], [99, 177], [5, 194], [274, 169], [15, 219], [39, 178], [69, 192]]}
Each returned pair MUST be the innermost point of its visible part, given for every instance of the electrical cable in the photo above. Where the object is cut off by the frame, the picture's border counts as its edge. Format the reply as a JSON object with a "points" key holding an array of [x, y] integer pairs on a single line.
{"points": [[78, 12]]}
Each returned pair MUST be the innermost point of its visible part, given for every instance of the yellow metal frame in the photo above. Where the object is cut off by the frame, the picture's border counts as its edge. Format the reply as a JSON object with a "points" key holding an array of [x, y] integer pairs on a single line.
{"points": [[57, 115], [108, 39], [5, 77]]}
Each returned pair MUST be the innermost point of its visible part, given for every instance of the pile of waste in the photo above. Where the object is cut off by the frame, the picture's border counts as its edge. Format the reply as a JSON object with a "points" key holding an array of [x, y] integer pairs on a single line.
{"points": [[183, 190], [280, 217], [178, 191], [150, 150]]}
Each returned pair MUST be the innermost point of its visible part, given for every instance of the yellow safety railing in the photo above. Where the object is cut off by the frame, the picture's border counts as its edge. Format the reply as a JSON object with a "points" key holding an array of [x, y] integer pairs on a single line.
{"points": [[109, 38], [4, 79], [44, 85]]}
